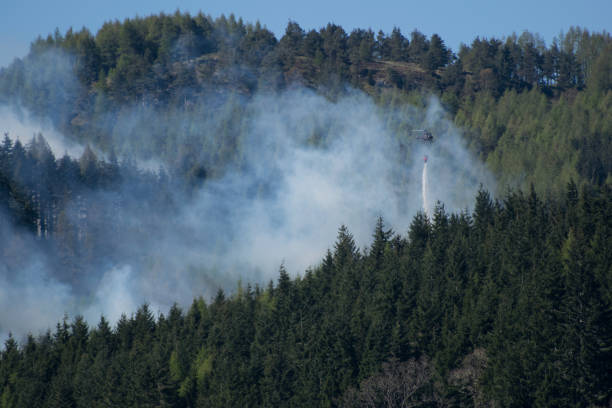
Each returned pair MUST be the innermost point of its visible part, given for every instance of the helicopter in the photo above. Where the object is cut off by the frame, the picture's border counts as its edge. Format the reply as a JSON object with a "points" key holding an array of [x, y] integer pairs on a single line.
{"points": [[424, 135]]}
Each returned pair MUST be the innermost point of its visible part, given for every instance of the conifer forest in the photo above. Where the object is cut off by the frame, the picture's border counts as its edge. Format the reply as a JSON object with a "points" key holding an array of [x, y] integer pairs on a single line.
{"points": [[196, 213]]}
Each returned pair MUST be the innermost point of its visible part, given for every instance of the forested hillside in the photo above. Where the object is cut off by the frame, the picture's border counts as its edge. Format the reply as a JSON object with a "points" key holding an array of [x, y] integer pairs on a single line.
{"points": [[211, 150], [508, 306], [535, 113]]}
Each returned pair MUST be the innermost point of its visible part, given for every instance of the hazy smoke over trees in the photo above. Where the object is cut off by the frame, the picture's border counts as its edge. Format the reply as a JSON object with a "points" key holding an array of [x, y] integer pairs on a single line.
{"points": [[301, 165]]}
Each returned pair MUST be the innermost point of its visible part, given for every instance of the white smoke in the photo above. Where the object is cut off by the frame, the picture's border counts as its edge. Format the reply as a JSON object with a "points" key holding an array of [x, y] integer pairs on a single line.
{"points": [[283, 203], [19, 124], [31, 300], [114, 296]]}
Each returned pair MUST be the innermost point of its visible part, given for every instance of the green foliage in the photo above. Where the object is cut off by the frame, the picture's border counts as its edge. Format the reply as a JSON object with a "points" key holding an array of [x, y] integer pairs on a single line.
{"points": [[531, 112], [526, 138], [507, 306]]}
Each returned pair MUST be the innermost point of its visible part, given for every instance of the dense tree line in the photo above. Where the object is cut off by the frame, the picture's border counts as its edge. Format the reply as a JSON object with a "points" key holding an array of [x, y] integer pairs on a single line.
{"points": [[528, 138], [68, 209], [151, 58], [508, 306], [179, 67]]}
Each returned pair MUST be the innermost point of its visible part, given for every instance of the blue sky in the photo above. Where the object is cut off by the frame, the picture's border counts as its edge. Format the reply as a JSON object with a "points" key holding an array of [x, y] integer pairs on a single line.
{"points": [[455, 21]]}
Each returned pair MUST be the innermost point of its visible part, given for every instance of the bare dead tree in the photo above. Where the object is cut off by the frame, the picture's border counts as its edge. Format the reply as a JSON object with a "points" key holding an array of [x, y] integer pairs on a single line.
{"points": [[399, 384]]}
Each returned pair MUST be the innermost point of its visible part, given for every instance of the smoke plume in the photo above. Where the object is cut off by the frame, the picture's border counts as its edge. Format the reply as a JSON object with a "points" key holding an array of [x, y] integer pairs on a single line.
{"points": [[306, 166]]}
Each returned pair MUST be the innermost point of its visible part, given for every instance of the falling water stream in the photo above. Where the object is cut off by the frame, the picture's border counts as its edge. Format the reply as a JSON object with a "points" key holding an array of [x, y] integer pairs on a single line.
{"points": [[425, 189]]}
